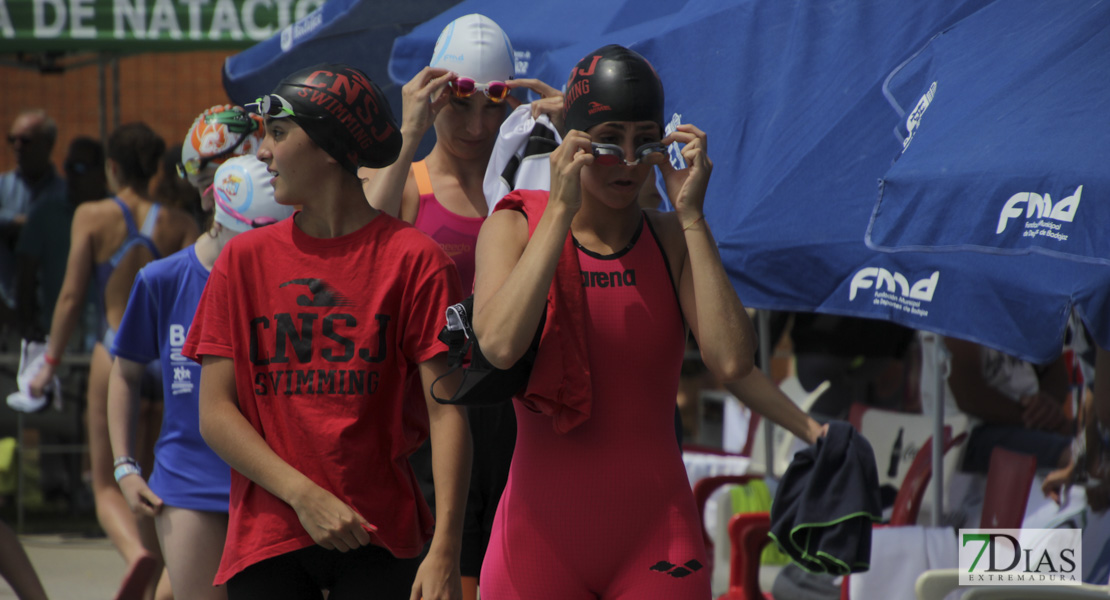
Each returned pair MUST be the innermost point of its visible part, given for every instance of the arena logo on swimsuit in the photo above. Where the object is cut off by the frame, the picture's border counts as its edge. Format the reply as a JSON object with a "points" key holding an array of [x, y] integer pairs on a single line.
{"points": [[602, 279]]}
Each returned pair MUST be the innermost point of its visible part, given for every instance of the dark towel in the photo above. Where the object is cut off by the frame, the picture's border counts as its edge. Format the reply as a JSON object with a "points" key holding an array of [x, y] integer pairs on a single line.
{"points": [[826, 502], [559, 385]]}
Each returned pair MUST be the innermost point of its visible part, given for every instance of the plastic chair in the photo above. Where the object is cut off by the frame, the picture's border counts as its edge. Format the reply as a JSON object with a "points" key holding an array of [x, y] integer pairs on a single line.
{"points": [[703, 489], [748, 535], [748, 532], [1009, 479], [907, 503], [892, 432], [937, 584]]}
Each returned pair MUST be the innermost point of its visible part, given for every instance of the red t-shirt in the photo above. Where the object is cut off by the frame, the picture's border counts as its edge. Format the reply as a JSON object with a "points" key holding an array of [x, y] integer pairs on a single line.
{"points": [[326, 336]]}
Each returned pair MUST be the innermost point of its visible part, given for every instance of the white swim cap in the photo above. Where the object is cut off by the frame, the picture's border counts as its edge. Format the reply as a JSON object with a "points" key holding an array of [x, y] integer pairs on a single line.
{"points": [[244, 195], [218, 133], [474, 46]]}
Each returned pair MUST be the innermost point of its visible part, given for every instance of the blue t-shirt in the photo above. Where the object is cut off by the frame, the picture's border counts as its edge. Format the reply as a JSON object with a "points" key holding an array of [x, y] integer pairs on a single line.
{"points": [[187, 473]]}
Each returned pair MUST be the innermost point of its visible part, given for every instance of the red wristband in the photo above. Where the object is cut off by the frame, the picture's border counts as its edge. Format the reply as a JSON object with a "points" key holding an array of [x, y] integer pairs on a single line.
{"points": [[50, 360]]}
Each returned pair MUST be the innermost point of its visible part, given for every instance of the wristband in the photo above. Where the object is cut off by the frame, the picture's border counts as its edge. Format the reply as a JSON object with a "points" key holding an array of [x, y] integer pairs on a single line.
{"points": [[126, 469], [694, 222], [50, 360], [125, 460]]}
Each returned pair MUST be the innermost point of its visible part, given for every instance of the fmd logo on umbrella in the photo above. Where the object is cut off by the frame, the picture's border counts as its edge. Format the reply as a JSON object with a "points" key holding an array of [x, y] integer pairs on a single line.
{"points": [[1046, 212], [893, 289]]}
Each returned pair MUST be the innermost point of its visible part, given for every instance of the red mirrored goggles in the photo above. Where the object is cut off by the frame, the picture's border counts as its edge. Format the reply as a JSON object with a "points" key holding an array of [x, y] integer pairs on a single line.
{"points": [[465, 87], [611, 155]]}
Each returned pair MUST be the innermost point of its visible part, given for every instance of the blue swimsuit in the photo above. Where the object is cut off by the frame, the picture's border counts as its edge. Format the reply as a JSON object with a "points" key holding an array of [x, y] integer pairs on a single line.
{"points": [[103, 271]]}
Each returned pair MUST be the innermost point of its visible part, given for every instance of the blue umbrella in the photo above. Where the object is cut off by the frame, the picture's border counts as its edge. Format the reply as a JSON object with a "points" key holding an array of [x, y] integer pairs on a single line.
{"points": [[791, 96], [1006, 147], [799, 131], [535, 29], [355, 32], [1006, 137]]}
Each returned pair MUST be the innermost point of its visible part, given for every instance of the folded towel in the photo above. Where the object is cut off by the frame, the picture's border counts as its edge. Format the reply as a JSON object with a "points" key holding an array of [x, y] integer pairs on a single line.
{"points": [[560, 382], [826, 503]]}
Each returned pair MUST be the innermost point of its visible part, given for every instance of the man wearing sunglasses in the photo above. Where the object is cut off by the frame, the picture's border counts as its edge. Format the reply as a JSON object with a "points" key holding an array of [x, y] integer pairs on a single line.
{"points": [[31, 139]]}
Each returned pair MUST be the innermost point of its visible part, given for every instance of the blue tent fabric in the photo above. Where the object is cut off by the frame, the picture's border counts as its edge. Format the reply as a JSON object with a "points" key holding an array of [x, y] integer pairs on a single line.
{"points": [[1010, 142], [791, 95], [355, 32], [535, 29]]}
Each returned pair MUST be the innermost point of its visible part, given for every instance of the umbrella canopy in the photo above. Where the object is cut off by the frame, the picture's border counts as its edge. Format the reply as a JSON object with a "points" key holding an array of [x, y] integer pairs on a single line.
{"points": [[1006, 136], [356, 32], [791, 94], [535, 29]]}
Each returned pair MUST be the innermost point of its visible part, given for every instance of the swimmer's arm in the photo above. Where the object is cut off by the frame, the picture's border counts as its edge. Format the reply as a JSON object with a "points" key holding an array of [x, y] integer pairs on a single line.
{"points": [[514, 272], [331, 522], [438, 576], [712, 309], [124, 382], [761, 395], [710, 305], [391, 189], [512, 277], [71, 298]]}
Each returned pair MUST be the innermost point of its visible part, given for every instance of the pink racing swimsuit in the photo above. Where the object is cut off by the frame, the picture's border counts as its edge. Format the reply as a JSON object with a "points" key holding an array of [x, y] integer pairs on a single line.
{"points": [[454, 233], [605, 510]]}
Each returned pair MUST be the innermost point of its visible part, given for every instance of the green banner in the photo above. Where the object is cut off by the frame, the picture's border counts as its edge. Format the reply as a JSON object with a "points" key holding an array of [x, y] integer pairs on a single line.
{"points": [[143, 25]]}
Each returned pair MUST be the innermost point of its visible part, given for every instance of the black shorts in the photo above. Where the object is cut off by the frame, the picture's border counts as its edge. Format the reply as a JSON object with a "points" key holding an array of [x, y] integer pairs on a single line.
{"points": [[369, 571], [494, 432]]}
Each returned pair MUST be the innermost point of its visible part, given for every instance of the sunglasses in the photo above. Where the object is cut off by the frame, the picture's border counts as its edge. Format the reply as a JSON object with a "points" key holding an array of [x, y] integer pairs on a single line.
{"points": [[24, 139], [221, 201], [611, 155], [465, 87]]}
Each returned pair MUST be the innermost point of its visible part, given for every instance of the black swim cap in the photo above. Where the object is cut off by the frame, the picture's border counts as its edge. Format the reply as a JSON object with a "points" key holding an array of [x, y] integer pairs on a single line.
{"points": [[613, 83], [345, 113]]}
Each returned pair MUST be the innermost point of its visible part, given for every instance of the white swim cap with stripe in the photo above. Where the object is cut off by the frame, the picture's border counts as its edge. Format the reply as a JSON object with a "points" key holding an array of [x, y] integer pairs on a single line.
{"points": [[474, 46], [245, 196]]}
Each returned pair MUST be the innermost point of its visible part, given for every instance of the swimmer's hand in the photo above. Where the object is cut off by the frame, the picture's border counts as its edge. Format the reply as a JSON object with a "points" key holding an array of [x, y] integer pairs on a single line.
{"points": [[687, 187], [422, 98], [566, 169], [330, 521], [550, 102], [438, 577], [142, 500]]}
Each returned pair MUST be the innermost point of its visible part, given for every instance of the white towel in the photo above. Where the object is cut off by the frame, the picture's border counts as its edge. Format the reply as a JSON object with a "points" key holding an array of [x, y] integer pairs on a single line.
{"points": [[32, 358], [531, 170], [898, 556]]}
